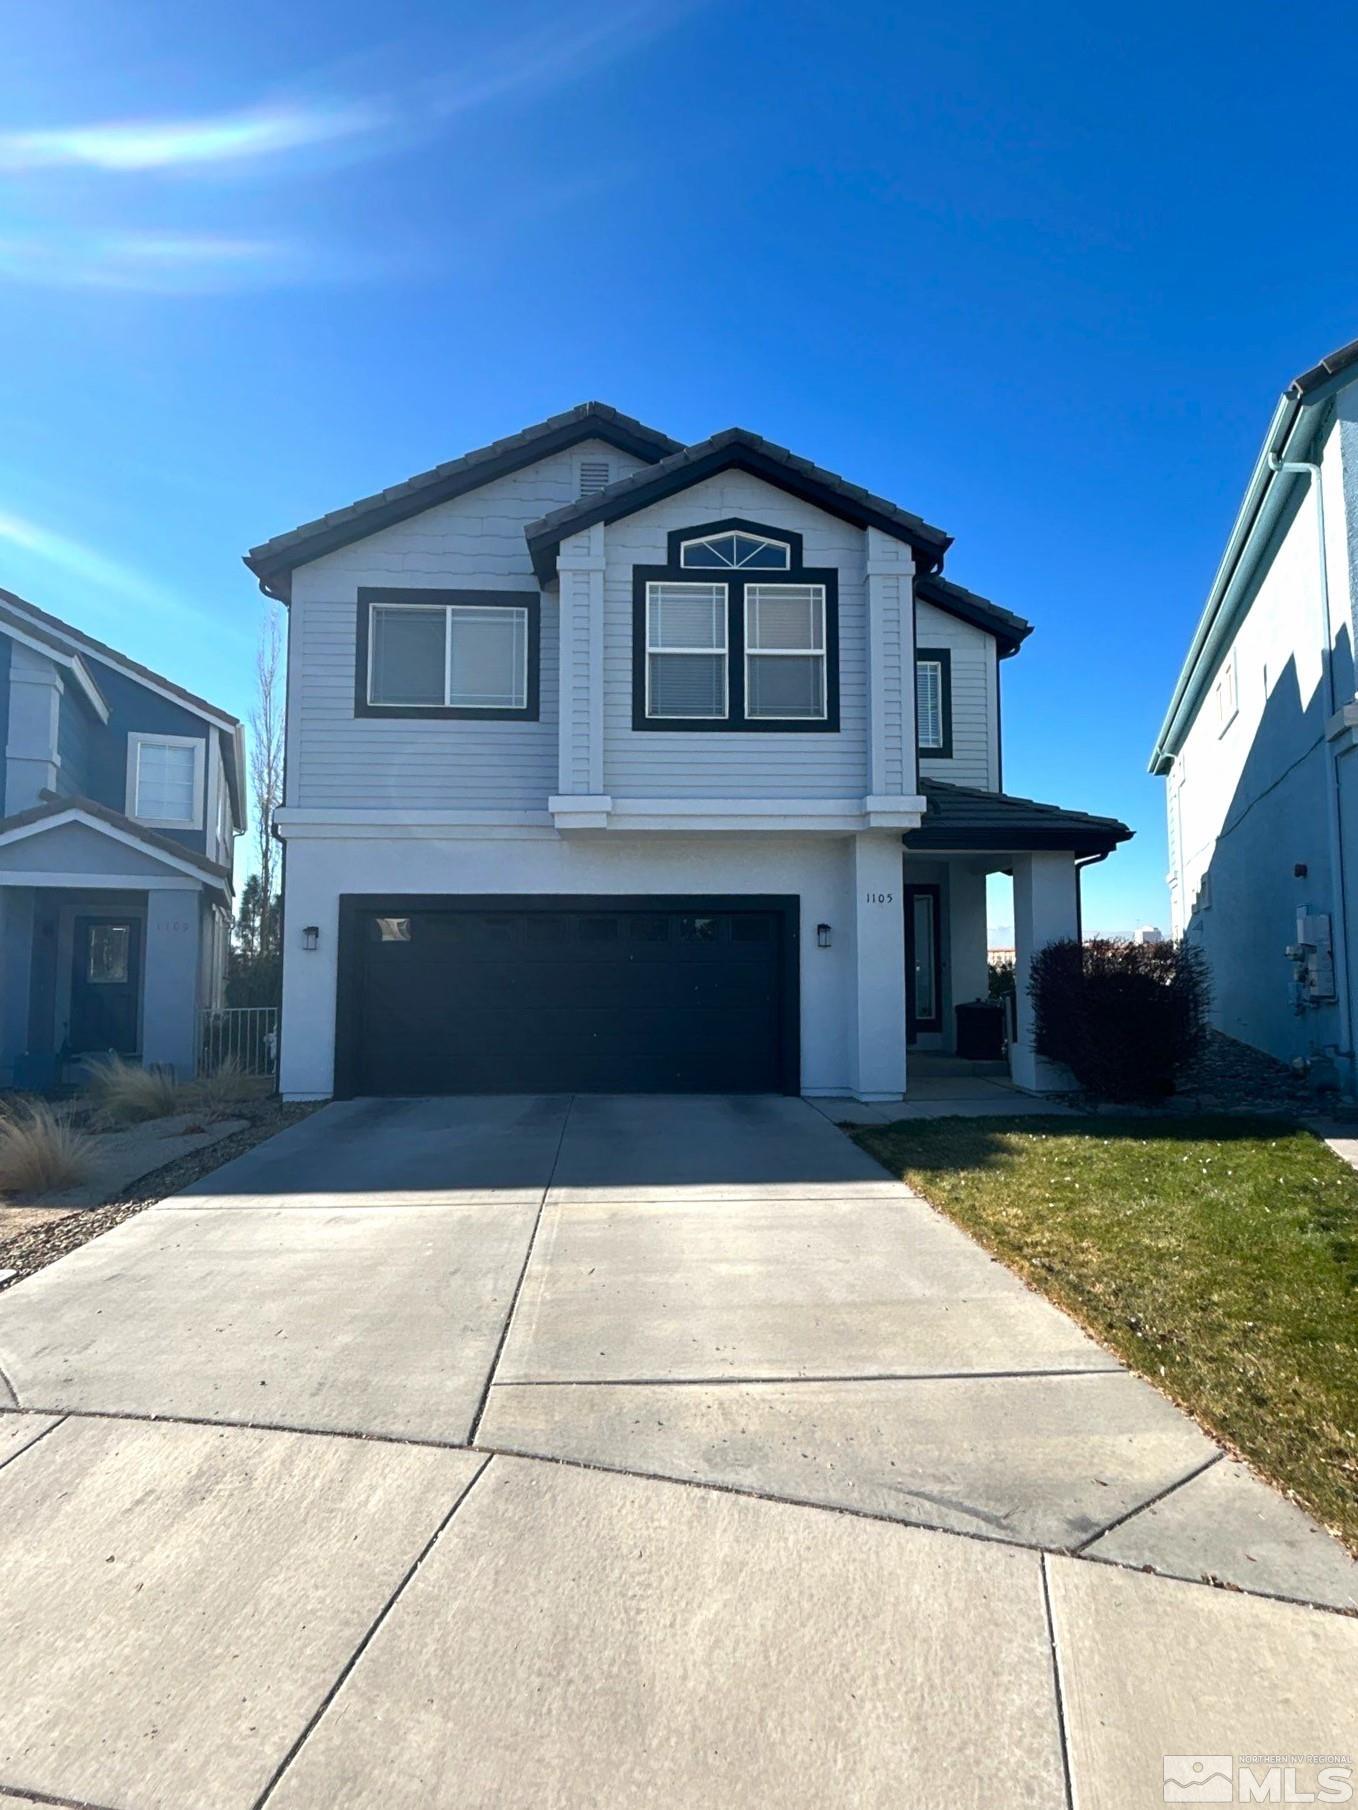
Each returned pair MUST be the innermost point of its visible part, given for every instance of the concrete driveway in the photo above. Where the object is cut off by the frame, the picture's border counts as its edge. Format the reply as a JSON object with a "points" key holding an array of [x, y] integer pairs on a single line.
{"points": [[567, 1452]]}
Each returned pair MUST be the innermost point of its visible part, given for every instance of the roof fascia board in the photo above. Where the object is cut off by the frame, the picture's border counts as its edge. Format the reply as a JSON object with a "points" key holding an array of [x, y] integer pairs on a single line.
{"points": [[21, 832], [1294, 420], [1008, 636], [731, 457], [274, 571]]}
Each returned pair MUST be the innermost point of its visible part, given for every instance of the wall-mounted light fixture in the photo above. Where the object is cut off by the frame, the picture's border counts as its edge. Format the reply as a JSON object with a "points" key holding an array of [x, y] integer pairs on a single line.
{"points": [[822, 936], [311, 936]]}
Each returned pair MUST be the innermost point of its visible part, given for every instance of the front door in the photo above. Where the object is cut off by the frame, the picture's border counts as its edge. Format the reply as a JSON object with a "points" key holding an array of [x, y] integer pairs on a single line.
{"points": [[105, 985], [923, 962]]}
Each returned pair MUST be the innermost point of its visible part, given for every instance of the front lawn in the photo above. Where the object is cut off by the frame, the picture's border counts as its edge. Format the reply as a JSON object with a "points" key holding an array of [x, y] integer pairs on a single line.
{"points": [[1217, 1256]]}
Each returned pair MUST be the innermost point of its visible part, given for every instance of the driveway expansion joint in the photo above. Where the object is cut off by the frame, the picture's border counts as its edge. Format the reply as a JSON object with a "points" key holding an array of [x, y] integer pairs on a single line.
{"points": [[11, 1391], [28, 1446], [1057, 1687], [347, 1668], [867, 1376], [43, 1797]]}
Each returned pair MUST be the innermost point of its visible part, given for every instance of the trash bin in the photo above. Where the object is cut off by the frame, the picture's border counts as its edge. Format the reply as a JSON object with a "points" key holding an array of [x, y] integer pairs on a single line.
{"points": [[980, 1030]]}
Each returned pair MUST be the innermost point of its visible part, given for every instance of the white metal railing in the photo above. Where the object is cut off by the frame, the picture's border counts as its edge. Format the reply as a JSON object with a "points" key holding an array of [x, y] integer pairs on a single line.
{"points": [[241, 1037]]}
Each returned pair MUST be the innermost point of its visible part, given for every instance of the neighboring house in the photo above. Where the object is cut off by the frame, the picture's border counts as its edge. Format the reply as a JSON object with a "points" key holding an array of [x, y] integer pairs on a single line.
{"points": [[617, 764], [1255, 747], [123, 795]]}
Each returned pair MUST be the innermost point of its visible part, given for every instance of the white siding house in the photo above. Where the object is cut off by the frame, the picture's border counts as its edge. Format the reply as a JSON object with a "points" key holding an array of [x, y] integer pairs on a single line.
{"points": [[604, 772], [1261, 792]]}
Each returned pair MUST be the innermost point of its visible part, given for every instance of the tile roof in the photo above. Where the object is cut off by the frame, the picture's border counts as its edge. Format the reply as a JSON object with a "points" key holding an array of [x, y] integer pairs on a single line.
{"points": [[961, 817], [733, 446], [274, 560], [54, 806], [1009, 630]]}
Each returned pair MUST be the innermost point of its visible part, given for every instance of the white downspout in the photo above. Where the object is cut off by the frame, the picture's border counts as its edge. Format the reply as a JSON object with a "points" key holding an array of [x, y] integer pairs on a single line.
{"points": [[1311, 468]]}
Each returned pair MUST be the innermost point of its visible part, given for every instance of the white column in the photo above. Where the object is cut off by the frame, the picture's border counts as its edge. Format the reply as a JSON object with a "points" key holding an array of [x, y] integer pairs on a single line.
{"points": [[877, 1050], [892, 799], [579, 801], [1045, 911]]}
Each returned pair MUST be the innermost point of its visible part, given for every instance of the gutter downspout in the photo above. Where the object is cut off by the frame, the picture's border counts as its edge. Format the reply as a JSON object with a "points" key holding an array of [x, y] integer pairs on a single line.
{"points": [[1081, 863], [1335, 826]]}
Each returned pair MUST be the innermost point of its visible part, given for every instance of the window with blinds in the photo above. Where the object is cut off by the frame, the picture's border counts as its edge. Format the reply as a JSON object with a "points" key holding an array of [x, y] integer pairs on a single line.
{"points": [[464, 657], [167, 781], [933, 702], [686, 650], [785, 651]]}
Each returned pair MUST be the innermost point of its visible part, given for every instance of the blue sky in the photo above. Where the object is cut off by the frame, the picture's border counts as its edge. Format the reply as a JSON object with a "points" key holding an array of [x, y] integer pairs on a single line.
{"points": [[1036, 273]]}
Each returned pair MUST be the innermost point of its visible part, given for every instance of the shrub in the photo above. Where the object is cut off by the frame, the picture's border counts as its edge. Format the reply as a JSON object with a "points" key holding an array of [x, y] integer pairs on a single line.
{"points": [[40, 1151], [1001, 979], [125, 1093], [228, 1085], [1126, 1018]]}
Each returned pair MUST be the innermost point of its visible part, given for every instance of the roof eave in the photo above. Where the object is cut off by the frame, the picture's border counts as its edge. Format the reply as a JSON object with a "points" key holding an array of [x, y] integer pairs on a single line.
{"points": [[1293, 420]]}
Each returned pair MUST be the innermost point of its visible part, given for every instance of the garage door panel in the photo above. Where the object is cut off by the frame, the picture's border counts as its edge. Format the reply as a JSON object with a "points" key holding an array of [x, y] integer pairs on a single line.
{"points": [[605, 995]]}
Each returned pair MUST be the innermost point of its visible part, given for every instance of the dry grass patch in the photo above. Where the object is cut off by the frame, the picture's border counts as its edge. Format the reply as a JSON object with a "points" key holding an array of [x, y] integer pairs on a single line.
{"points": [[1217, 1256], [41, 1151]]}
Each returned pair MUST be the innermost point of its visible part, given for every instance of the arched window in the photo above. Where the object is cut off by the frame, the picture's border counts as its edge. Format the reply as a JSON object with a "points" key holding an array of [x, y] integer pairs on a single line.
{"points": [[737, 552]]}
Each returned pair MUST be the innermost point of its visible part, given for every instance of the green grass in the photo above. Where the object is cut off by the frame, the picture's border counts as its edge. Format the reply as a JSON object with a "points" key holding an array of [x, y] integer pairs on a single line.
{"points": [[1217, 1256]]}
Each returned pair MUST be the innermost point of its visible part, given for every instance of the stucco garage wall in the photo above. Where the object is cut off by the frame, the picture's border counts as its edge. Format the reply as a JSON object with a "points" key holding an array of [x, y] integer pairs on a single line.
{"points": [[819, 869]]}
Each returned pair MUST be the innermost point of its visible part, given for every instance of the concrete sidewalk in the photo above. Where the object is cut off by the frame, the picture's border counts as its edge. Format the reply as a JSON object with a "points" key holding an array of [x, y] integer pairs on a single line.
{"points": [[614, 1451]]}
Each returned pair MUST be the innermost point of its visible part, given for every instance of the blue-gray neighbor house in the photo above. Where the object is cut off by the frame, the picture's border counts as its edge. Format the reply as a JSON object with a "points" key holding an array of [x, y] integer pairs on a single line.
{"points": [[123, 796]]}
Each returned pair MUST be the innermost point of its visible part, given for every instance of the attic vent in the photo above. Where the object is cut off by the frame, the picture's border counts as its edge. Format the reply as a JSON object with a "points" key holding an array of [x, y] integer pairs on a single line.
{"points": [[594, 476]]}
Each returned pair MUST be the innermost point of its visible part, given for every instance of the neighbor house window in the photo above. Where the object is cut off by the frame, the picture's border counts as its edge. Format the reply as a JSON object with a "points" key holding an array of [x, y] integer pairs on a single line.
{"points": [[1227, 700], [447, 654], [165, 780], [754, 648], [933, 702], [785, 651], [686, 664]]}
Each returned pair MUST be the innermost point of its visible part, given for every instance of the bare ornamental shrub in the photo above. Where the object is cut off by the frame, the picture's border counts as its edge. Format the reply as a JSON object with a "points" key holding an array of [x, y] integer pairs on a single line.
{"points": [[1126, 1018]]}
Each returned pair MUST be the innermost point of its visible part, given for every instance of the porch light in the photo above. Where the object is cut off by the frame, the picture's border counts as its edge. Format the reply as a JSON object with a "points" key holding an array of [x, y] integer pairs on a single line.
{"points": [[311, 936], [822, 936]]}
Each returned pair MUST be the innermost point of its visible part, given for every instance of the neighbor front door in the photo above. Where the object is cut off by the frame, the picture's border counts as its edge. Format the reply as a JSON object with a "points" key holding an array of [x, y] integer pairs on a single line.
{"points": [[105, 985], [923, 962]]}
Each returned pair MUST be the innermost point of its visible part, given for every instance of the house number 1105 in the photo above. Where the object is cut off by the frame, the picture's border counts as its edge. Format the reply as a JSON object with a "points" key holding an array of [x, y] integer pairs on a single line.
{"points": [[880, 898]]}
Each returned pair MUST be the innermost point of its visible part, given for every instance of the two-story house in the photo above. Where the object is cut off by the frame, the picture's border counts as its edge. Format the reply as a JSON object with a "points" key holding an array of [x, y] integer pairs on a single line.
{"points": [[123, 795], [1257, 742], [618, 764]]}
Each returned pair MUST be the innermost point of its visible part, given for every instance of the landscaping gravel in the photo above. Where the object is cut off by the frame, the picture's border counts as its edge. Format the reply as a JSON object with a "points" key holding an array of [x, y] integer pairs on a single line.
{"points": [[32, 1237]]}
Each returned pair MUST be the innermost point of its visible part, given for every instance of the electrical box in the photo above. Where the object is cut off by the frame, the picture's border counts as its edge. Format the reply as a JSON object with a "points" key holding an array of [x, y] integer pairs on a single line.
{"points": [[1312, 955]]}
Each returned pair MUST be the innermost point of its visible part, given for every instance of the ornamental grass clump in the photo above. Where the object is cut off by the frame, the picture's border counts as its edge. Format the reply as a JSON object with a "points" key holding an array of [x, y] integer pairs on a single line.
{"points": [[1126, 1018], [124, 1093], [41, 1151]]}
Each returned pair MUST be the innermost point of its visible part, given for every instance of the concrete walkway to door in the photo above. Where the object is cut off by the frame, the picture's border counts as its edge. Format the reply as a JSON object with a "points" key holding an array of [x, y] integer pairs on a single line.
{"points": [[618, 1451]]}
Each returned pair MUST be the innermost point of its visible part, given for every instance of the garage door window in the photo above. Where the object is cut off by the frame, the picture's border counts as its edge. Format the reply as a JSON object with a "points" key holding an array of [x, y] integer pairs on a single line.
{"points": [[447, 654]]}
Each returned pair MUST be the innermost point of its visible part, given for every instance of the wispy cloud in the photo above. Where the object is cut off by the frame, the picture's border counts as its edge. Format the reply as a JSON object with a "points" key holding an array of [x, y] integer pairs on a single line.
{"points": [[129, 146], [85, 563], [156, 263]]}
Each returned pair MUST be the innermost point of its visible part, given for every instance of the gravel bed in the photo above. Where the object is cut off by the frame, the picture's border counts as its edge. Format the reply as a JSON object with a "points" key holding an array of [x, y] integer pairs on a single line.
{"points": [[35, 1246]]}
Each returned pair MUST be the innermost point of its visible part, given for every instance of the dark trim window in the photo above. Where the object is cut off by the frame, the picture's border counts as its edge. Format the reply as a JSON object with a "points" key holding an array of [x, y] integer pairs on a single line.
{"points": [[933, 702], [426, 653], [735, 632]]}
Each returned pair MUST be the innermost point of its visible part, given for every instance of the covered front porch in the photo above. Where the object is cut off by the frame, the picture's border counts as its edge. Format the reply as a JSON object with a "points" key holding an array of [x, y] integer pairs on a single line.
{"points": [[968, 835], [109, 944]]}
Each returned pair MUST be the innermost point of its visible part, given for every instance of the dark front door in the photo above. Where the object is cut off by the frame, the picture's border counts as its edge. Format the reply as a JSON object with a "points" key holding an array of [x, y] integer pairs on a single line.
{"points": [[923, 962], [105, 985], [603, 995]]}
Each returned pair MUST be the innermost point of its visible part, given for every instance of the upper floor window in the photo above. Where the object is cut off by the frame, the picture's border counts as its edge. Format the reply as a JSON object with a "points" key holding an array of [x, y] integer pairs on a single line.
{"points": [[744, 650], [447, 654], [1226, 692], [165, 781], [933, 702], [736, 553]]}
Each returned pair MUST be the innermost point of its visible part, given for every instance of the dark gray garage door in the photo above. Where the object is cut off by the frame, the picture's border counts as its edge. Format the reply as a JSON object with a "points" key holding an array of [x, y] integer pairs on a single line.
{"points": [[601, 995]]}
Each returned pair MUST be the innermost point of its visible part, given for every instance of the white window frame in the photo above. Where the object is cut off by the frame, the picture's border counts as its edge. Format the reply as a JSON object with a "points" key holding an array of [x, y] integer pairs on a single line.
{"points": [[669, 584], [135, 743], [1226, 693], [447, 611], [764, 540], [752, 589], [929, 664]]}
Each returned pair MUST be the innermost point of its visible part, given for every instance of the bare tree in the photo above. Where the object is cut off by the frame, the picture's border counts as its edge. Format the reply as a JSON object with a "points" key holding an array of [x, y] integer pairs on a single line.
{"points": [[266, 769]]}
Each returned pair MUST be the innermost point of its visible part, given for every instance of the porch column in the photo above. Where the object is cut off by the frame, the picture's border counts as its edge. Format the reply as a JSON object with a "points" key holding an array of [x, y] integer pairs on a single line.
{"points": [[877, 1050], [169, 992], [16, 967], [1045, 911]]}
